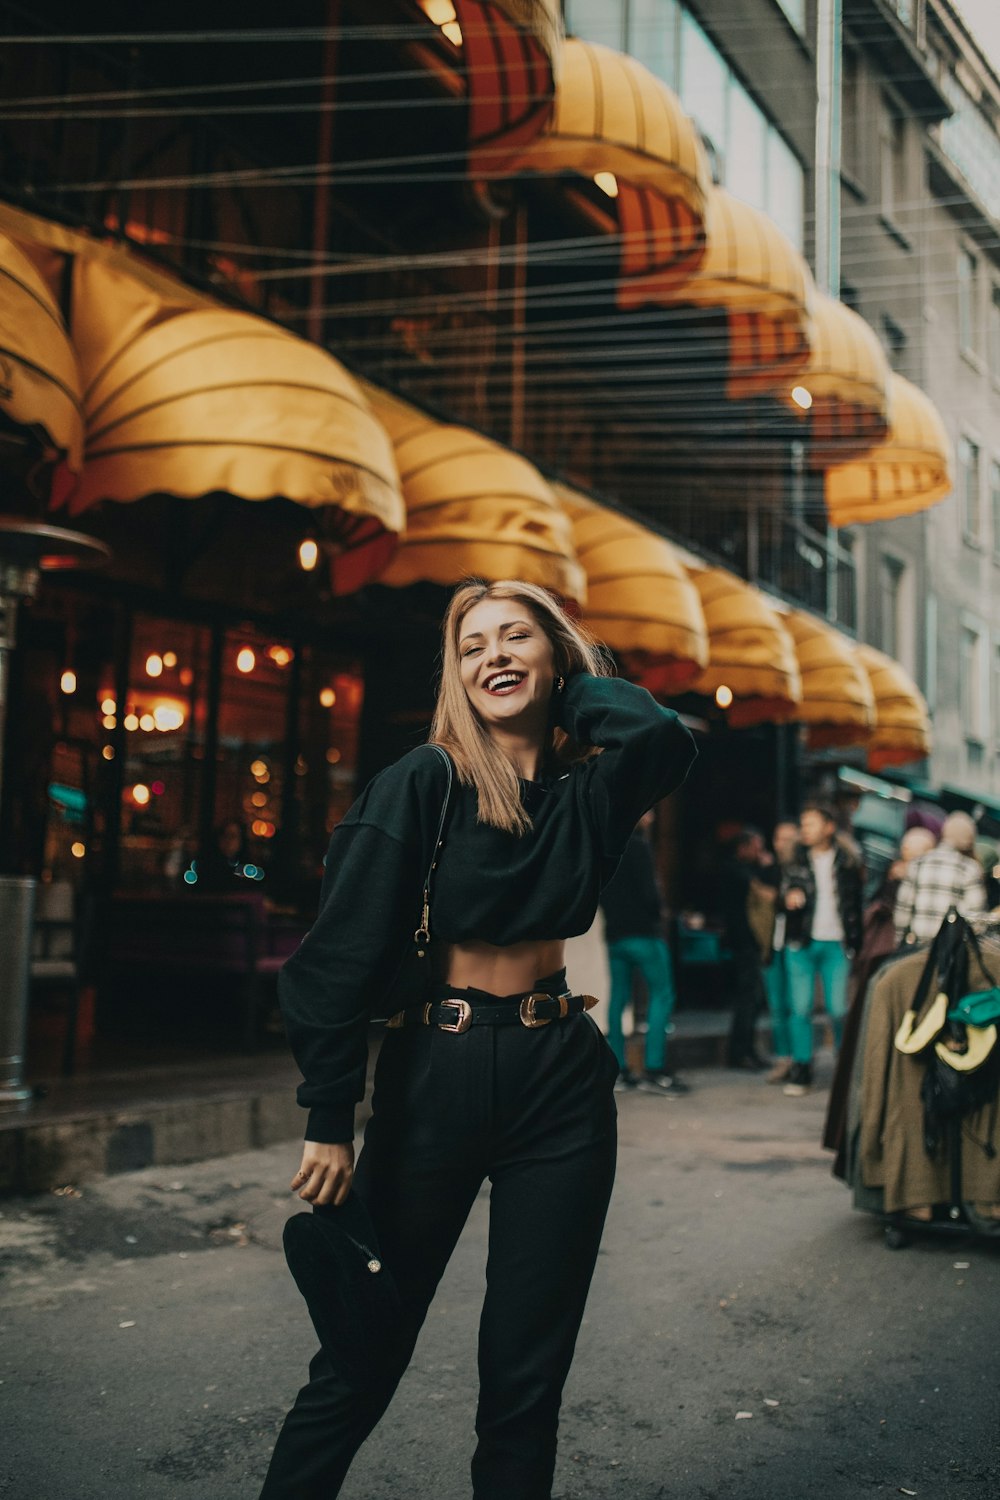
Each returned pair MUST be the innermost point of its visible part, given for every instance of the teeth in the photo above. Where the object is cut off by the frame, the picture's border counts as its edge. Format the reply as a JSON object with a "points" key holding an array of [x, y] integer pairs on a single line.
{"points": [[507, 679]]}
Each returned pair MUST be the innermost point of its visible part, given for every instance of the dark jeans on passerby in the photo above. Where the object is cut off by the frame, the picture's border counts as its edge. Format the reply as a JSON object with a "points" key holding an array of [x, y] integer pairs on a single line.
{"points": [[533, 1111], [748, 998]]}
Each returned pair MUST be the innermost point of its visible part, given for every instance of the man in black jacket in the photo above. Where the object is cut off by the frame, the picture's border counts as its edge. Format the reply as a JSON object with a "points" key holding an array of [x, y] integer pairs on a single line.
{"points": [[821, 896]]}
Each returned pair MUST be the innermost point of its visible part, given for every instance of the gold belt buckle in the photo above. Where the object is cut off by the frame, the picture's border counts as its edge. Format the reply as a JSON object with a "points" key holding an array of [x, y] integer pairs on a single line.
{"points": [[464, 1020], [526, 1010]]}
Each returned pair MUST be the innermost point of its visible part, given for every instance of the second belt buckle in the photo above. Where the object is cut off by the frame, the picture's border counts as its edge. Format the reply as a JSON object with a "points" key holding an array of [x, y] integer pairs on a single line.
{"points": [[464, 1016]]}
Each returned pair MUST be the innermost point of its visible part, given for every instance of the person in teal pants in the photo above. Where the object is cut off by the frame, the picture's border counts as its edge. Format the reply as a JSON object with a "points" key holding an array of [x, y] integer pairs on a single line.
{"points": [[633, 928]]}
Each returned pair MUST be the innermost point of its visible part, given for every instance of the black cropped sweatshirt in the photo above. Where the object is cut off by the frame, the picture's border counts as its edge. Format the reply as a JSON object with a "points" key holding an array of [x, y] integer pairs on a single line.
{"points": [[490, 886]]}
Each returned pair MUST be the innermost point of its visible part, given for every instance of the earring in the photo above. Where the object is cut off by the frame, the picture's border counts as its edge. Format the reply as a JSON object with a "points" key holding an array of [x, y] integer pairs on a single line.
{"points": [[560, 684]]}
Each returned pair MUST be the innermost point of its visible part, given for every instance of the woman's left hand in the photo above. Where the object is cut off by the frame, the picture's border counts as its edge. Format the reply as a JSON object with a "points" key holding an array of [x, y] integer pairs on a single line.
{"points": [[326, 1173]]}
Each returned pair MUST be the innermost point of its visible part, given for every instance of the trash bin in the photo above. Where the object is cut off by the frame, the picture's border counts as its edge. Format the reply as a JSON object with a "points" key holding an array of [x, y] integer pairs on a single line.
{"points": [[17, 916]]}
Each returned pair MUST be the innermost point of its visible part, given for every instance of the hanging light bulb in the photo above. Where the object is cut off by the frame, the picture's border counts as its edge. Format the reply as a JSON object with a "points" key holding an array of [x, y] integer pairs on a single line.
{"points": [[802, 397], [67, 681], [327, 697], [154, 666], [308, 554], [170, 659], [607, 182], [724, 696], [245, 660]]}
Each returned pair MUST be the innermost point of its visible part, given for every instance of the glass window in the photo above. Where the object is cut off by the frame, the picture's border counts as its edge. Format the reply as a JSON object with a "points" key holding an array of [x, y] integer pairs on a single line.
{"points": [[704, 79], [891, 571], [164, 717], [967, 284], [892, 136], [654, 36], [968, 487], [785, 188], [746, 149], [994, 349], [849, 123], [597, 21], [795, 10], [970, 684], [895, 341]]}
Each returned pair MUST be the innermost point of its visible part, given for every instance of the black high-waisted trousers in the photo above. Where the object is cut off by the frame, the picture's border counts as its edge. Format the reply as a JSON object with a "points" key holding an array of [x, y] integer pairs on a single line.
{"points": [[533, 1111]]}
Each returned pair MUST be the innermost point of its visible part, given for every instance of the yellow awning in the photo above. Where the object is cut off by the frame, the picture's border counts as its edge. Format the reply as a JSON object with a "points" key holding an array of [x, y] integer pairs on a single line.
{"points": [[838, 707], [474, 509], [757, 277], [844, 389], [752, 669], [40, 394], [640, 601], [510, 55], [909, 472], [189, 402], [617, 124], [902, 723]]}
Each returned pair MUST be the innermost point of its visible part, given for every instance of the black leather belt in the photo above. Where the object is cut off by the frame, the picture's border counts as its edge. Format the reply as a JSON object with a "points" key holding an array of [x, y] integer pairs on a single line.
{"points": [[455, 1014]]}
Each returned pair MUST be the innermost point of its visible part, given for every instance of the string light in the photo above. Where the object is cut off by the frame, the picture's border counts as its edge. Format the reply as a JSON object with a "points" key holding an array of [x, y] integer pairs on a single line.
{"points": [[131, 721], [154, 666], [328, 697], [308, 554], [245, 660], [78, 850], [67, 682], [170, 659], [607, 182], [108, 706], [140, 794], [147, 722], [724, 696]]}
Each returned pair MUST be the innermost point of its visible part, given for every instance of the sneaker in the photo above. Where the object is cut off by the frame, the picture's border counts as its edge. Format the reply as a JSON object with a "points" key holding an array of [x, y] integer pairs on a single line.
{"points": [[625, 1082], [800, 1079], [779, 1073], [663, 1083]]}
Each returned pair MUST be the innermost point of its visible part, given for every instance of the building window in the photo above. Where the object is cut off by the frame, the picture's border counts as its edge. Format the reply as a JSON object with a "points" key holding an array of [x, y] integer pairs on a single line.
{"points": [[891, 574], [994, 349], [968, 488], [895, 341], [597, 21], [995, 506], [654, 36], [967, 290], [996, 697], [892, 139], [795, 10], [850, 153], [970, 686]]}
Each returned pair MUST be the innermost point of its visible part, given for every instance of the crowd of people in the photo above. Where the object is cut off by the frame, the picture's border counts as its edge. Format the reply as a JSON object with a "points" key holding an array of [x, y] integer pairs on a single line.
{"points": [[794, 922]]}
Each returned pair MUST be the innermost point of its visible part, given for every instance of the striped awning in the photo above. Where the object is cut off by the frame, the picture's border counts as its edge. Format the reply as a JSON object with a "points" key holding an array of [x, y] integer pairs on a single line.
{"points": [[41, 417], [844, 389], [510, 56], [640, 600], [474, 509], [909, 472], [617, 125], [838, 706], [754, 275], [752, 669], [194, 401], [902, 724]]}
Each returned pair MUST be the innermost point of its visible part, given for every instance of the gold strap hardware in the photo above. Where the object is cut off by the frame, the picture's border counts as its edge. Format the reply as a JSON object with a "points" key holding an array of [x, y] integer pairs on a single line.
{"points": [[396, 1021], [464, 1013], [526, 1010]]}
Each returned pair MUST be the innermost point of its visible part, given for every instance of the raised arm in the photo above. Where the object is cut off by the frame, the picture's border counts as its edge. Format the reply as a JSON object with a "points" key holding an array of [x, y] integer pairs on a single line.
{"points": [[646, 751]]}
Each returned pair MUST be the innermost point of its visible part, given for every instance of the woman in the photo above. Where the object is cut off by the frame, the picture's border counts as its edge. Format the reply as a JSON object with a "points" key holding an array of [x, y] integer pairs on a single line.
{"points": [[537, 823]]}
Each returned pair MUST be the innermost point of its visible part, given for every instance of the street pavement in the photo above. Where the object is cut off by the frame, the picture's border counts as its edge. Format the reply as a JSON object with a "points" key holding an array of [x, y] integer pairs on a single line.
{"points": [[748, 1334]]}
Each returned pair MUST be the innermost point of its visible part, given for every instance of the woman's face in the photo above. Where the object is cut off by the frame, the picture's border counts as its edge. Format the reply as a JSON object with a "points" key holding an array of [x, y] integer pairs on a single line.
{"points": [[507, 664]]}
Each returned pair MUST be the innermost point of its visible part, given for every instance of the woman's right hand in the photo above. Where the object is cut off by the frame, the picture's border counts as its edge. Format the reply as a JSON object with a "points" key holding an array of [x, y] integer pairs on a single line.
{"points": [[326, 1173]]}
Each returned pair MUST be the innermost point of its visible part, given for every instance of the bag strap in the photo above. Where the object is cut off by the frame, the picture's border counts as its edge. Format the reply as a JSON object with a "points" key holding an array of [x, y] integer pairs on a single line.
{"points": [[940, 959], [422, 935]]}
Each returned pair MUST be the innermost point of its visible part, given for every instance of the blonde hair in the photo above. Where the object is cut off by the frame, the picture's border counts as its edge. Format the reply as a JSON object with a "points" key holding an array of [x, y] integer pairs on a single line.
{"points": [[457, 727]]}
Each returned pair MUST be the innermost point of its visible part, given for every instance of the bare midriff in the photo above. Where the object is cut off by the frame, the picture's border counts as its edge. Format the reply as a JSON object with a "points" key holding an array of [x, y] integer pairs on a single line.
{"points": [[512, 970]]}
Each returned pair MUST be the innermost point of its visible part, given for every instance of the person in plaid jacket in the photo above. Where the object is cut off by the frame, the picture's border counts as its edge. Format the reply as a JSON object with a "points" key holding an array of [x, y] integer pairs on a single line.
{"points": [[943, 877]]}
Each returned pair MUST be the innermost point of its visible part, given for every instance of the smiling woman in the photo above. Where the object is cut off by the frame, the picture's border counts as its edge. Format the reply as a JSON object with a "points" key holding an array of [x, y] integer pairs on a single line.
{"points": [[491, 1068]]}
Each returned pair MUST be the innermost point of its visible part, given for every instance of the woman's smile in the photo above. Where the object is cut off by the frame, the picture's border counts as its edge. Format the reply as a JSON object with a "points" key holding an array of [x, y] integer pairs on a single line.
{"points": [[503, 683]]}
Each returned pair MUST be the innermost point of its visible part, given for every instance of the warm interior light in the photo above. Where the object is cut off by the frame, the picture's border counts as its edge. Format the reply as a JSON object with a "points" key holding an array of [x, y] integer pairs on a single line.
{"points": [[332, 755], [108, 752], [308, 554], [68, 681], [168, 716], [109, 721], [154, 666], [245, 660], [187, 677], [131, 721], [78, 850], [170, 659], [147, 722], [607, 182], [260, 771], [802, 397], [157, 788], [327, 697], [723, 696], [280, 655], [140, 794], [259, 799], [108, 706]]}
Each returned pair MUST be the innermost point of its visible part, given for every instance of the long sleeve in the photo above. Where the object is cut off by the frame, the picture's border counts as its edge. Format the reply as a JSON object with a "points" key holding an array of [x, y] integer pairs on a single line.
{"points": [[974, 896], [646, 751], [369, 902]]}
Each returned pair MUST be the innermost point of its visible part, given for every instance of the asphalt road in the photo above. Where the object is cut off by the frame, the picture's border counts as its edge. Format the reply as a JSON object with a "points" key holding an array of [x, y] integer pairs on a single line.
{"points": [[150, 1338]]}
